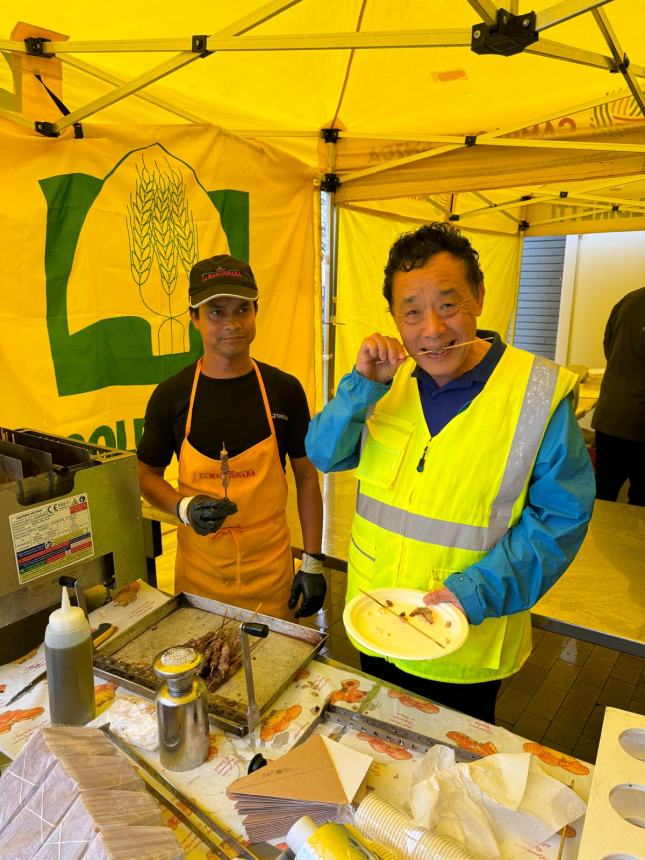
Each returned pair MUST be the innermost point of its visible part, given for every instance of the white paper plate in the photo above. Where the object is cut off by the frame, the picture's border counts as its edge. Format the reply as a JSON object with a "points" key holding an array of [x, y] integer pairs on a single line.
{"points": [[389, 635]]}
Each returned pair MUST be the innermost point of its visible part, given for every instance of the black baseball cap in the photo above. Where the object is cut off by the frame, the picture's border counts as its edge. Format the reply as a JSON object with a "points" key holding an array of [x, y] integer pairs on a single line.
{"points": [[221, 275]]}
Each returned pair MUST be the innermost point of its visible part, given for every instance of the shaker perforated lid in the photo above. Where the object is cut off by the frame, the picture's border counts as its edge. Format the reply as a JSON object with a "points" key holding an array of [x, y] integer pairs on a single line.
{"points": [[176, 662], [68, 618]]}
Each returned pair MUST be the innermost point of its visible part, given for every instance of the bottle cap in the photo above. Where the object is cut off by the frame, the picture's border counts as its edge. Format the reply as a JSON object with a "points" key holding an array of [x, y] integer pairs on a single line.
{"points": [[180, 661], [67, 618], [302, 830]]}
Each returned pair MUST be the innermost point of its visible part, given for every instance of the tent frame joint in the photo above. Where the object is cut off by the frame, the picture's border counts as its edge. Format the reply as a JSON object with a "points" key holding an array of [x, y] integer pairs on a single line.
{"points": [[509, 35], [621, 66], [470, 140], [454, 217], [198, 45], [35, 47], [330, 183], [523, 226], [47, 129], [330, 135]]}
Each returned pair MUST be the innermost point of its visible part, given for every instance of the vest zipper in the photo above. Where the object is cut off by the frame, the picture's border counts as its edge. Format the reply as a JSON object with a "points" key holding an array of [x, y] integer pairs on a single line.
{"points": [[422, 462]]}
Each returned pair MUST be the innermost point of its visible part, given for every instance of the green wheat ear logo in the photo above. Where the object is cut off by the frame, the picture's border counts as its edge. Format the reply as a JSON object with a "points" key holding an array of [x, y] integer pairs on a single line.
{"points": [[161, 233], [160, 196]]}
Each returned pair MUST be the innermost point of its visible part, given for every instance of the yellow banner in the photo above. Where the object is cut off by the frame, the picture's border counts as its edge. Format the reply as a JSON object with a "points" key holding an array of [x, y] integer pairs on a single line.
{"points": [[98, 236]]}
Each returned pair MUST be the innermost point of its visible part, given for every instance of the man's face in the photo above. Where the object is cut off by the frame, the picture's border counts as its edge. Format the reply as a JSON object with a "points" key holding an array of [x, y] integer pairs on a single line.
{"points": [[434, 307], [227, 326]]}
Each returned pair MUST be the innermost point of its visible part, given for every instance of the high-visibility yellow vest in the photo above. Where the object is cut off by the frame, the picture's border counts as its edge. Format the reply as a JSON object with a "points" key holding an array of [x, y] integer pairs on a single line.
{"points": [[431, 506]]}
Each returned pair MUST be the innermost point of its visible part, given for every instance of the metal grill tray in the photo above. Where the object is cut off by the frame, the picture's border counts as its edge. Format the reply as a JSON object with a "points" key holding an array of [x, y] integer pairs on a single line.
{"points": [[127, 657]]}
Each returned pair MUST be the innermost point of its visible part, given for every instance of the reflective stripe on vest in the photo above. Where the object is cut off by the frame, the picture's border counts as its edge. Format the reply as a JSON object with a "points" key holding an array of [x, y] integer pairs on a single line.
{"points": [[526, 441]]}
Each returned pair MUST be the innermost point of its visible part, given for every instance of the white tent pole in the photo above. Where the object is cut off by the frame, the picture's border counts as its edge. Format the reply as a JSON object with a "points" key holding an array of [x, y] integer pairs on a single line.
{"points": [[516, 298], [330, 293]]}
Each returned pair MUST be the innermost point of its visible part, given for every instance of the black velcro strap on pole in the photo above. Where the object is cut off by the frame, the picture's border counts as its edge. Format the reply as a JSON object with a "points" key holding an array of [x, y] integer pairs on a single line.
{"points": [[78, 128]]}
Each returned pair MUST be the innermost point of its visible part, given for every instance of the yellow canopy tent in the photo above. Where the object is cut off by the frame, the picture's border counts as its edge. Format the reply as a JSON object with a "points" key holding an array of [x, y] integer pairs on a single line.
{"points": [[421, 124]]}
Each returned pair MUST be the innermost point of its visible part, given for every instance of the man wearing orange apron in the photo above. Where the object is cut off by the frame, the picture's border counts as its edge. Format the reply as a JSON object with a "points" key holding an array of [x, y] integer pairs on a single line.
{"points": [[232, 422]]}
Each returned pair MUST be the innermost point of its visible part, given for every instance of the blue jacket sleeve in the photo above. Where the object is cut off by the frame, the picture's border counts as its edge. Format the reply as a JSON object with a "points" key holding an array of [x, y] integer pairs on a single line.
{"points": [[333, 438], [533, 554]]}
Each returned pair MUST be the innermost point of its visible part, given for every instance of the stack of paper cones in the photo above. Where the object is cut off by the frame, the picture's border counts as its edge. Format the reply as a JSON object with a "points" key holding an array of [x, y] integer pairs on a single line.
{"points": [[319, 778]]}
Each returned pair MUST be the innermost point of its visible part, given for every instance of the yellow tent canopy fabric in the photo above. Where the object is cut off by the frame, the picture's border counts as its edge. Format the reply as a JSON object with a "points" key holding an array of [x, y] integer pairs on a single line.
{"points": [[98, 237], [548, 140], [397, 79]]}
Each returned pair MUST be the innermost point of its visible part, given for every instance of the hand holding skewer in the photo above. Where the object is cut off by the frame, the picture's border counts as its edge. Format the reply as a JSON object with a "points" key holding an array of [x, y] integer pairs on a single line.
{"points": [[379, 357]]}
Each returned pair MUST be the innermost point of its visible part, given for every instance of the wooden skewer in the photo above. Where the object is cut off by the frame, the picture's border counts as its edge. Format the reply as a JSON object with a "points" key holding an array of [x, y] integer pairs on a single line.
{"points": [[224, 469], [430, 351], [402, 618], [454, 345]]}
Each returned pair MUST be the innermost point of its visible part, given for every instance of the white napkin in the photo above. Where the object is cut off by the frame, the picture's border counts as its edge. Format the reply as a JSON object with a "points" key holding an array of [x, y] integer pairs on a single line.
{"points": [[133, 720], [500, 806]]}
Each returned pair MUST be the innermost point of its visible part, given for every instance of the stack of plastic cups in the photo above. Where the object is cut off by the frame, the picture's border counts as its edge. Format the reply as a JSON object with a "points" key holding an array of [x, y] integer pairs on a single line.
{"points": [[379, 820]]}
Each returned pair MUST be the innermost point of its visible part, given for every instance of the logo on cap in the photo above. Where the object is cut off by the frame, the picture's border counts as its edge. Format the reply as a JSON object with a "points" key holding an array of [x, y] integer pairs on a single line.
{"points": [[221, 272]]}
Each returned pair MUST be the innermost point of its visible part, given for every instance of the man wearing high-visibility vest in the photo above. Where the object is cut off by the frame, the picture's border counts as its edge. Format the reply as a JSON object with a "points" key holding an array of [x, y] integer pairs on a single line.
{"points": [[475, 485]]}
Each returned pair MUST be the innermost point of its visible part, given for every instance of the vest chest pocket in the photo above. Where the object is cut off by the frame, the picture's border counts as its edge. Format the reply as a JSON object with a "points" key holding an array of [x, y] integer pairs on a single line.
{"points": [[382, 451]]}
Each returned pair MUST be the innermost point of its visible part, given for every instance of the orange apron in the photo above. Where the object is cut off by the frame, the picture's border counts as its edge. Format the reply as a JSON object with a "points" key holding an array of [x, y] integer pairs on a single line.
{"points": [[248, 560]]}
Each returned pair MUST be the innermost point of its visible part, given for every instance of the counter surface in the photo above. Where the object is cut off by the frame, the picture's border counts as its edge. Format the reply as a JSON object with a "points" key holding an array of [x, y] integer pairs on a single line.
{"points": [[601, 597], [289, 720]]}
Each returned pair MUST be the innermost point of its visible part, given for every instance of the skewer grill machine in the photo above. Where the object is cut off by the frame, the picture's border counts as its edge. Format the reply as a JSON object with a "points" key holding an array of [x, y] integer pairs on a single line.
{"points": [[67, 509]]}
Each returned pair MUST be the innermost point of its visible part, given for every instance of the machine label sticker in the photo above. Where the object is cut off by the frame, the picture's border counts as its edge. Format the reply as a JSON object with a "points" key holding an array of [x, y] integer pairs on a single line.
{"points": [[51, 537]]}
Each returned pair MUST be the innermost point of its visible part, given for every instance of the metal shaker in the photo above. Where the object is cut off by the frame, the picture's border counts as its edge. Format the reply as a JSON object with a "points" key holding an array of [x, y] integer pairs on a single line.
{"points": [[182, 708]]}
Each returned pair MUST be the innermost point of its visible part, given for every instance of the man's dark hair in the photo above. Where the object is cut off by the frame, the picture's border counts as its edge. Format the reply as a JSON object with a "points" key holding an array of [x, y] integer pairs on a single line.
{"points": [[413, 250], [194, 312]]}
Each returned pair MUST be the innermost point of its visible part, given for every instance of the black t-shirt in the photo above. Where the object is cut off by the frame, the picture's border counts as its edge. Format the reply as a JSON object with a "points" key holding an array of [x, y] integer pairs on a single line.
{"points": [[225, 410]]}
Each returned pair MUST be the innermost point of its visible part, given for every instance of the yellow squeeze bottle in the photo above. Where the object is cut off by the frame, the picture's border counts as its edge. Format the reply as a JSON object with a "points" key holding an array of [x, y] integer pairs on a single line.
{"points": [[329, 842]]}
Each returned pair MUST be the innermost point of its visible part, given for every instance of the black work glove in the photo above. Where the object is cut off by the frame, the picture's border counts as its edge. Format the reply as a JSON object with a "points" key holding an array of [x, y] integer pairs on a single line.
{"points": [[309, 583], [205, 514]]}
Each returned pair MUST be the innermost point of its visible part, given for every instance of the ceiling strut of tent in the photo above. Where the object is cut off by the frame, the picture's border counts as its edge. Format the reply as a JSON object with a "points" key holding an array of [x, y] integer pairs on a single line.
{"points": [[198, 47], [499, 28], [502, 31]]}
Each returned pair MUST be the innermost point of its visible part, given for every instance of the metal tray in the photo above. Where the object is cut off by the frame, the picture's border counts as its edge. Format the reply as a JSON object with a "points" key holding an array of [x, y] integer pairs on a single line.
{"points": [[127, 657]]}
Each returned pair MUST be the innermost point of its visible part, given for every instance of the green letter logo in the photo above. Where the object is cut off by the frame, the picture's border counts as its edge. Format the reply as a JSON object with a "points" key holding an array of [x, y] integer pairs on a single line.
{"points": [[118, 253]]}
